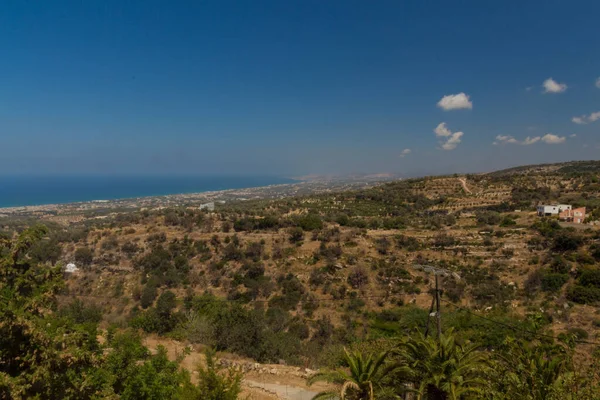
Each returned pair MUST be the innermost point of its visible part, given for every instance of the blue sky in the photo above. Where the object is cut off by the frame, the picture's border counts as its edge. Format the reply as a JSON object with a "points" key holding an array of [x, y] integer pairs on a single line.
{"points": [[296, 87]]}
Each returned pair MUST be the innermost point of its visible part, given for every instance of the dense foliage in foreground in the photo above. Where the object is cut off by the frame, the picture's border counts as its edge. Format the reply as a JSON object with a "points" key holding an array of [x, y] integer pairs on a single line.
{"points": [[45, 355]]}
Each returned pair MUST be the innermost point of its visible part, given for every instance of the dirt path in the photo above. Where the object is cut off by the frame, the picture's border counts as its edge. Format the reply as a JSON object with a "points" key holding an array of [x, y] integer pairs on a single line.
{"points": [[281, 383], [463, 182], [284, 392]]}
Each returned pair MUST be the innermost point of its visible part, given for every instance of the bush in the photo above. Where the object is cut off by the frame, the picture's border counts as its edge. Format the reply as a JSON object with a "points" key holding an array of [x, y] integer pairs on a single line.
{"points": [[110, 243], [443, 240], [383, 245], [566, 241], [292, 291], [296, 235], [84, 256], [583, 295], [508, 221], [317, 277], [217, 383], [148, 295], [488, 218], [80, 313], [553, 282], [559, 265], [358, 278], [595, 251], [407, 242], [130, 248], [590, 278], [309, 222], [579, 333], [547, 227], [46, 251]]}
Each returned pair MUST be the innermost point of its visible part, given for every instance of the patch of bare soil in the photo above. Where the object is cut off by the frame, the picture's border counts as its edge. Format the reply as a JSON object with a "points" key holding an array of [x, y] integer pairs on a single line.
{"points": [[261, 381]]}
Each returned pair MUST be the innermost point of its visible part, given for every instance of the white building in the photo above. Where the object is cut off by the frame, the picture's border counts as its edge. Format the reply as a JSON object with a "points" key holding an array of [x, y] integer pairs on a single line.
{"points": [[70, 268], [552, 209], [208, 206]]}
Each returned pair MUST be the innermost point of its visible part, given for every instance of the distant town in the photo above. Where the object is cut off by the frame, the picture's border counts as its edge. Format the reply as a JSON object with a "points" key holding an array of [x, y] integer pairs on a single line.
{"points": [[78, 211]]}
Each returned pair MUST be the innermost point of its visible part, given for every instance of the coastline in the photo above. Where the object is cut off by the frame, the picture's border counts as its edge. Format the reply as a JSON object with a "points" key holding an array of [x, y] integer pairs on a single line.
{"points": [[101, 203], [37, 191], [275, 191]]}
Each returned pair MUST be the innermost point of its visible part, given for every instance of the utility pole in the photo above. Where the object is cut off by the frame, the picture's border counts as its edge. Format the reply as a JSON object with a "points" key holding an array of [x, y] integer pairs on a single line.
{"points": [[436, 298]]}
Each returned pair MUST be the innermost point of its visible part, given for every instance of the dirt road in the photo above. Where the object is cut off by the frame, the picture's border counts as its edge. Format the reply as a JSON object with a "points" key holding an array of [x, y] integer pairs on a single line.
{"points": [[284, 392], [463, 182], [283, 385]]}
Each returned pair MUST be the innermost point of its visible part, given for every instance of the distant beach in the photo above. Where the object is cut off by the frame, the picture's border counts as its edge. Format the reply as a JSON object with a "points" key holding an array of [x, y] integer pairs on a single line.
{"points": [[18, 191]]}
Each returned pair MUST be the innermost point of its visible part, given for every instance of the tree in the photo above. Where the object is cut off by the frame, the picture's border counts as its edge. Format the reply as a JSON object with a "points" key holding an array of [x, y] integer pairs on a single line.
{"points": [[358, 278], [296, 235], [84, 256], [148, 295], [135, 374], [215, 382], [566, 241], [41, 356], [361, 380], [528, 371], [441, 368], [49, 355]]}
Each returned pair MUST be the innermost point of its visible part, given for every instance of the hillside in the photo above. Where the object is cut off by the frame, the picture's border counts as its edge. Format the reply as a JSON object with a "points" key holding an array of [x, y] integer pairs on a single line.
{"points": [[293, 280]]}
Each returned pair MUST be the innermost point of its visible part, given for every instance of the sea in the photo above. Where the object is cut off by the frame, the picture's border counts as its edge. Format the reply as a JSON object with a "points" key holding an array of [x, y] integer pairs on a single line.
{"points": [[16, 191]]}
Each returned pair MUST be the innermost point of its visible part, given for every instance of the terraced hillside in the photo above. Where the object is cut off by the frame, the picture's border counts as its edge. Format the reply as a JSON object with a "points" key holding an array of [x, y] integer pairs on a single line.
{"points": [[294, 280]]}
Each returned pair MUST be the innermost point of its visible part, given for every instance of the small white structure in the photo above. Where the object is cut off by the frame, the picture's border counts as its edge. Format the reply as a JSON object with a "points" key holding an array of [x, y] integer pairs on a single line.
{"points": [[544, 210], [70, 268], [208, 206]]}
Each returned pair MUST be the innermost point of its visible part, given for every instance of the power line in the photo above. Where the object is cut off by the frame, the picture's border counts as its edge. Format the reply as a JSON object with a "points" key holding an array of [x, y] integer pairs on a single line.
{"points": [[515, 328], [325, 300], [315, 300]]}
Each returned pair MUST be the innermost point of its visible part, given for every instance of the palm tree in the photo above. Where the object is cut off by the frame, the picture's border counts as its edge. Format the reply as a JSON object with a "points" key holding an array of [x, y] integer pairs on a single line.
{"points": [[532, 371], [360, 381], [442, 368]]}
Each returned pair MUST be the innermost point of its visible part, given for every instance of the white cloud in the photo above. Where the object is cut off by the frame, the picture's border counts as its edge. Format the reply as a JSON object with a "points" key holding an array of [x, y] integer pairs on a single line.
{"points": [[455, 102], [442, 130], [505, 139], [528, 88], [573, 135], [598, 83], [451, 139], [405, 152], [530, 140], [551, 86], [585, 119], [551, 138]]}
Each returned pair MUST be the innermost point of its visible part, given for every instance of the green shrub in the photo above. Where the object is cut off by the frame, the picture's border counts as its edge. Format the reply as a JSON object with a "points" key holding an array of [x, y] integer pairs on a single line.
{"points": [[579, 333], [81, 313], [583, 295], [296, 235], [566, 241], [553, 282], [148, 295], [84, 256], [590, 278], [309, 222]]}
